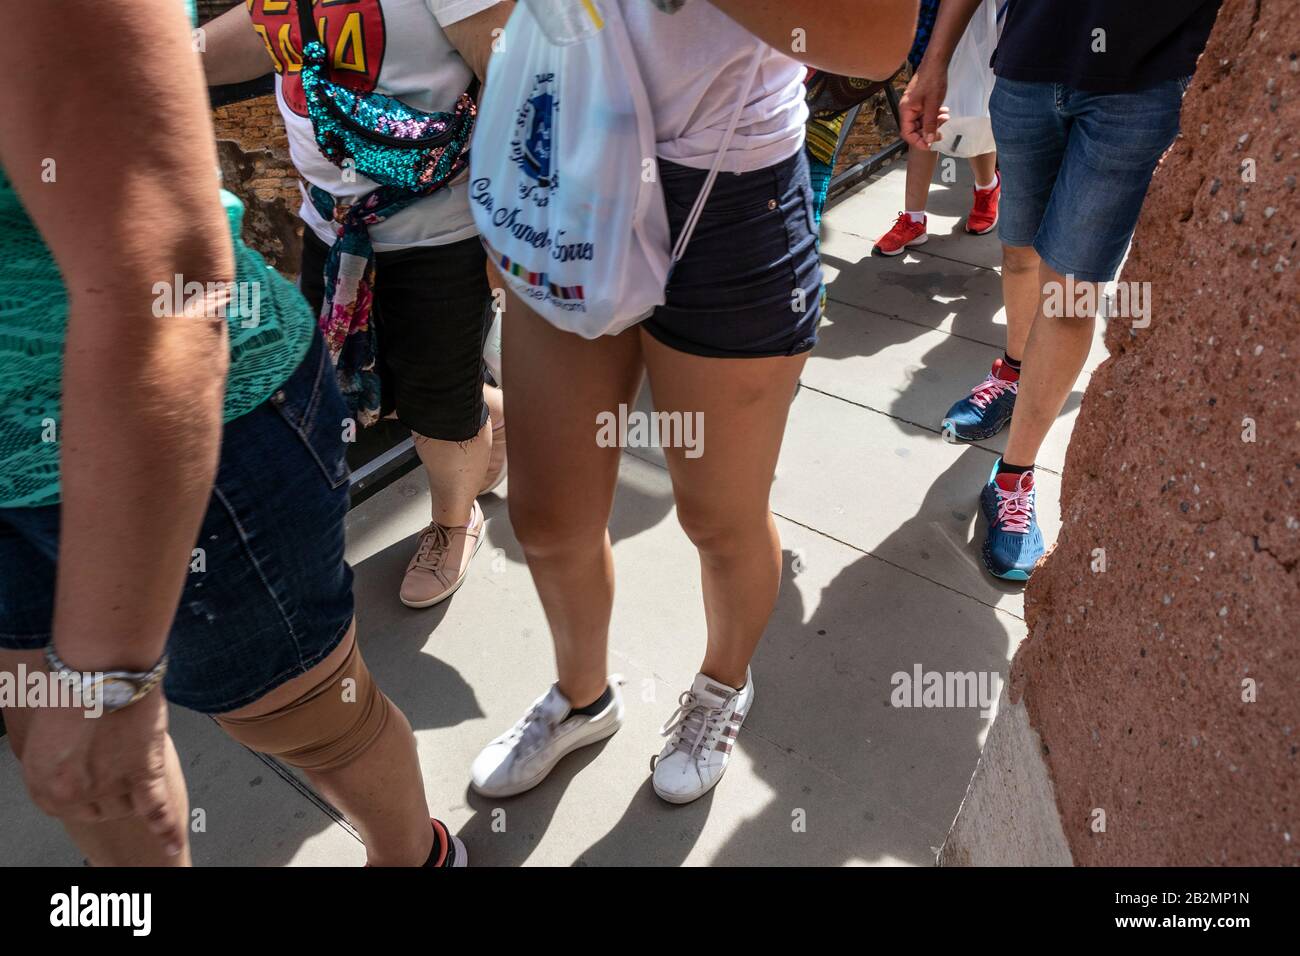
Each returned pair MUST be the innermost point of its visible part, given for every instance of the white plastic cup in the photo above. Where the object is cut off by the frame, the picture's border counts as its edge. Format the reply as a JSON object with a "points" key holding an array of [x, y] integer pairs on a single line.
{"points": [[567, 21]]}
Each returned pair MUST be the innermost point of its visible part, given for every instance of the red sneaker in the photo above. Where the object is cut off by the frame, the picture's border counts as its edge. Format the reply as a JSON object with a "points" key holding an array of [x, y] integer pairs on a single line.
{"points": [[984, 214], [905, 233]]}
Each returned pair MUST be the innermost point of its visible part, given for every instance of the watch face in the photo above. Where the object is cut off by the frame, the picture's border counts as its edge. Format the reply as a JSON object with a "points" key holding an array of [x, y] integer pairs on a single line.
{"points": [[113, 692]]}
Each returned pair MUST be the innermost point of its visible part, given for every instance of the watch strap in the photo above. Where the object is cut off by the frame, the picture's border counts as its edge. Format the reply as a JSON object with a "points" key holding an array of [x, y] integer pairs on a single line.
{"points": [[144, 681]]}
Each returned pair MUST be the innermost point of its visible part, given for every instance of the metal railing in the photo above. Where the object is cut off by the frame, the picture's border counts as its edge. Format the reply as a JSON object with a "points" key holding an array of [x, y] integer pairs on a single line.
{"points": [[872, 164]]}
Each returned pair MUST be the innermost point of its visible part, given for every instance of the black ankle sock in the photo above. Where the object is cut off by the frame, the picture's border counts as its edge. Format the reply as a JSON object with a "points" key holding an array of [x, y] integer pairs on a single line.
{"points": [[1005, 469], [596, 706], [1009, 362]]}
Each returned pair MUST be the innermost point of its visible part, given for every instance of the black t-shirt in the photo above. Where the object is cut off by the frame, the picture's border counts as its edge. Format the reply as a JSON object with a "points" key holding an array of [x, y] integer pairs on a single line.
{"points": [[1106, 46]]}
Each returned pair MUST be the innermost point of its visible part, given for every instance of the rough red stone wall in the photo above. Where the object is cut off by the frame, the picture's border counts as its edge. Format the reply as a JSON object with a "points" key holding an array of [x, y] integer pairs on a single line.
{"points": [[1133, 676]]}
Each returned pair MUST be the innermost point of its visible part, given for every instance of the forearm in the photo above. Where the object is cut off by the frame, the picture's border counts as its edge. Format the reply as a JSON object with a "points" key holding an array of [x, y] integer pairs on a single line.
{"points": [[954, 16], [233, 52], [140, 439], [142, 391], [863, 38]]}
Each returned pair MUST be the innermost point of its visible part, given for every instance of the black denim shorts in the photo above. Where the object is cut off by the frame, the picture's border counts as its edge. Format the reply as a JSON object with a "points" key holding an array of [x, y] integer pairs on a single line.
{"points": [[432, 317], [750, 282]]}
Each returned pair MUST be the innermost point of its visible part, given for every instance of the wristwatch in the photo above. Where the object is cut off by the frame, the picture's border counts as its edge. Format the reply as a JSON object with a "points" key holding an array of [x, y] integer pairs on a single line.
{"points": [[108, 690]]}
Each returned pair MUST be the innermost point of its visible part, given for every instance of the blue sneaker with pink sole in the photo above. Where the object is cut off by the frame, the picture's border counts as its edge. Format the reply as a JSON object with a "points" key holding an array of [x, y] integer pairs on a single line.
{"points": [[987, 409], [1014, 542]]}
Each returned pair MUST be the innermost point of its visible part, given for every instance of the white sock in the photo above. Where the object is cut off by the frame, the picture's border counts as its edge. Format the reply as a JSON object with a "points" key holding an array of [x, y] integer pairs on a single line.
{"points": [[916, 216], [996, 176]]}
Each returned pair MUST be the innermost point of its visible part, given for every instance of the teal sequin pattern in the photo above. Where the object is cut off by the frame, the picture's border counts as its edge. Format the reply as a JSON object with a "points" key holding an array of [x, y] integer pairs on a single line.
{"points": [[380, 136]]}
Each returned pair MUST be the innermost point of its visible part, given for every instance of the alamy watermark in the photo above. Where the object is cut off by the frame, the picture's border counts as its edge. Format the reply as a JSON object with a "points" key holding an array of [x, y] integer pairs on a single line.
{"points": [[38, 687], [959, 689], [1085, 300], [209, 300], [74, 908], [637, 429]]}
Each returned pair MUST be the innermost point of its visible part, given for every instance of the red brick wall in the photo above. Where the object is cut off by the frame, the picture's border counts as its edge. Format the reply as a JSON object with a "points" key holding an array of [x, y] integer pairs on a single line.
{"points": [[255, 125], [255, 166], [873, 130]]}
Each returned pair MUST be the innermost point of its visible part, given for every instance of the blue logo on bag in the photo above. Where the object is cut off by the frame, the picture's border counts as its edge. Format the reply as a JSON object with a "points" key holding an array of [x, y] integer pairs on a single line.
{"points": [[532, 148], [537, 147]]}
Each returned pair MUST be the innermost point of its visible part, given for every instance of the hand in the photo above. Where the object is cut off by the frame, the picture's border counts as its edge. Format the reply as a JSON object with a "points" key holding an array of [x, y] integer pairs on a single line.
{"points": [[110, 767], [921, 110]]}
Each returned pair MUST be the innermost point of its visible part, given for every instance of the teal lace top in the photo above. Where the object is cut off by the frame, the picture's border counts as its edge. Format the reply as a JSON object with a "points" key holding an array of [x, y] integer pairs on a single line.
{"points": [[33, 319]]}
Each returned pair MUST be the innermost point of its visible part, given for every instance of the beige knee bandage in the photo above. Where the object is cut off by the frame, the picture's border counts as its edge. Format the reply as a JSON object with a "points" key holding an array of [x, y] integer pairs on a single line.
{"points": [[326, 728]]}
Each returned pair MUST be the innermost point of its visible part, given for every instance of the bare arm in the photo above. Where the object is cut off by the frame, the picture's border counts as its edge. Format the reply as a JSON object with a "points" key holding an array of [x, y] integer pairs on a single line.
{"points": [[134, 203], [473, 36], [866, 38], [921, 108], [233, 52]]}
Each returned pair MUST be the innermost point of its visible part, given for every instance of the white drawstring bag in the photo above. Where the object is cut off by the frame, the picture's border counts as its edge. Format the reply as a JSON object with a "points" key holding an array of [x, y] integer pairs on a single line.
{"points": [[563, 182], [969, 131]]}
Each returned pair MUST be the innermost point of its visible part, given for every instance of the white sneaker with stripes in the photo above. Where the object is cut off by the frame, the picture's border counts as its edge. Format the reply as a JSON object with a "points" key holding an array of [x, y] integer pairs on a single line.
{"points": [[701, 735], [522, 757]]}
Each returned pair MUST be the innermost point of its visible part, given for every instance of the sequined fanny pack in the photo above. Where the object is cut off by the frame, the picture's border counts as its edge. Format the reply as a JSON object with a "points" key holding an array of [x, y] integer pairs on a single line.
{"points": [[380, 136]]}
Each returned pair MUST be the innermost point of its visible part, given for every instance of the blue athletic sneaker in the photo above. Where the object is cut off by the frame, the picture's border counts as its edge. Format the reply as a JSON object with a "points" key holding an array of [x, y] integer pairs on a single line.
{"points": [[1014, 543], [987, 409]]}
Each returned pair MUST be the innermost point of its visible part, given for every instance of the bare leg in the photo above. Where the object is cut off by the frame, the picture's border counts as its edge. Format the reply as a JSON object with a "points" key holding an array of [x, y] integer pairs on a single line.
{"points": [[1021, 292], [984, 167], [562, 483], [494, 398], [382, 791], [920, 172], [722, 494], [455, 471], [1054, 356]]}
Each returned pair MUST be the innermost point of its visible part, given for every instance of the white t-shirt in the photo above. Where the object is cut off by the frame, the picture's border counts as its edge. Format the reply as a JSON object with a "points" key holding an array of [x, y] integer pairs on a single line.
{"points": [[397, 47], [693, 63]]}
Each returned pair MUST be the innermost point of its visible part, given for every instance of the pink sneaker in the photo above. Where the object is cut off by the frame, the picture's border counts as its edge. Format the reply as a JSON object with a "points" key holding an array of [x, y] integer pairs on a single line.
{"points": [[441, 561]]}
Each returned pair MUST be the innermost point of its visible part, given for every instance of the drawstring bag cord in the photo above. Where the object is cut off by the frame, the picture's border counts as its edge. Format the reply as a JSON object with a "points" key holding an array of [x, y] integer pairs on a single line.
{"points": [[688, 228]]}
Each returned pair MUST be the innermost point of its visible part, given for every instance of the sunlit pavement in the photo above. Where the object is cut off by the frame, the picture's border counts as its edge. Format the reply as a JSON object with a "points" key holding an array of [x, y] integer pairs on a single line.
{"points": [[878, 518]]}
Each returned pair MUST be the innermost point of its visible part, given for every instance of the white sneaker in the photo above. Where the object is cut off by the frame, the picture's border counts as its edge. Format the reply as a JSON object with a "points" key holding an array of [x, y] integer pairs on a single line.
{"points": [[521, 758], [701, 734]]}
